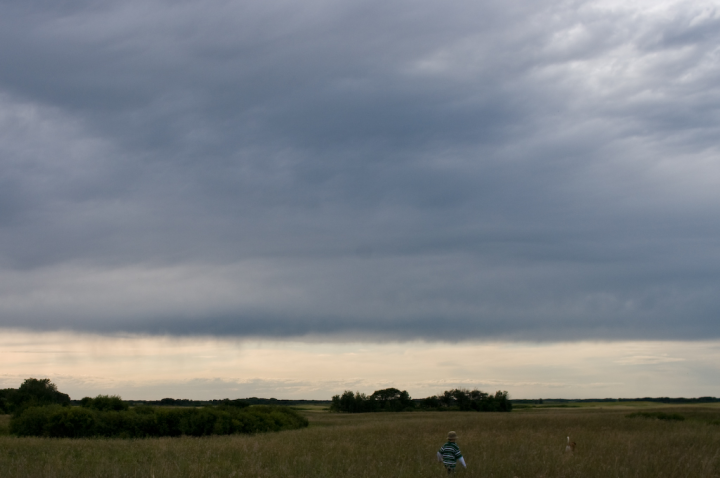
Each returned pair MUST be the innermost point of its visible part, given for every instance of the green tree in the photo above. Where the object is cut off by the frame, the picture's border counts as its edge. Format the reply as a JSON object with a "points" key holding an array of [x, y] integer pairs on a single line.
{"points": [[392, 399], [431, 402], [34, 393]]}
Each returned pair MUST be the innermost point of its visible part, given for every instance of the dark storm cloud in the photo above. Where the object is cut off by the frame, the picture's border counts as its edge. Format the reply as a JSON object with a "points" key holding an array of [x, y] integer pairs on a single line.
{"points": [[528, 170]]}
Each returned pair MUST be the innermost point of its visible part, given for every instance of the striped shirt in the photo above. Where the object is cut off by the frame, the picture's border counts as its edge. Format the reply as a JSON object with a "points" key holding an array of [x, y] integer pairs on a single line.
{"points": [[450, 454]]}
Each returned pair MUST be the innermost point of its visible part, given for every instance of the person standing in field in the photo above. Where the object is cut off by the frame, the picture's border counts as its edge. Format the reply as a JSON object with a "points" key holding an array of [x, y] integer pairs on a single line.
{"points": [[449, 454]]}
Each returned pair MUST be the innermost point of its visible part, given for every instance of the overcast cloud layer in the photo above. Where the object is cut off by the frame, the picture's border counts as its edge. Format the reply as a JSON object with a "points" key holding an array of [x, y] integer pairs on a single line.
{"points": [[410, 169]]}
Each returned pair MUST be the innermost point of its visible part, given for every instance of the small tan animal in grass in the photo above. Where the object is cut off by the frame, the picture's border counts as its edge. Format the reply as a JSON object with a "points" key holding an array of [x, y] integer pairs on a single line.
{"points": [[570, 447]]}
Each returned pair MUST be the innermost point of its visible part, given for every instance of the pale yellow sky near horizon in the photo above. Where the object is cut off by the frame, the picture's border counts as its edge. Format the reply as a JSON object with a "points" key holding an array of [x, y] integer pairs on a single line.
{"points": [[153, 367]]}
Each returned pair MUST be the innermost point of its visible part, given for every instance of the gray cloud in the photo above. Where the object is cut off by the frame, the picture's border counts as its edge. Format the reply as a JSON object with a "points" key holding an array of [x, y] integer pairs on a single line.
{"points": [[538, 171]]}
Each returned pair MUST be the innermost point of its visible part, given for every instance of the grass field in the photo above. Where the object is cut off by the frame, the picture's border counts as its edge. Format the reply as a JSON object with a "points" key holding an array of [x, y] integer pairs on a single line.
{"points": [[523, 444]]}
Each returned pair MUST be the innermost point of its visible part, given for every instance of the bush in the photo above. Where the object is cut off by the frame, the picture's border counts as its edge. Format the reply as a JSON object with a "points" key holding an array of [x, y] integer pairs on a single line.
{"points": [[74, 422], [54, 421], [104, 403]]}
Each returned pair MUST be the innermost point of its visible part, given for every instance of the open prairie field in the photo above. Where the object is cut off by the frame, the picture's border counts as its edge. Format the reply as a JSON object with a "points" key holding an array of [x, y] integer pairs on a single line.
{"points": [[523, 444]]}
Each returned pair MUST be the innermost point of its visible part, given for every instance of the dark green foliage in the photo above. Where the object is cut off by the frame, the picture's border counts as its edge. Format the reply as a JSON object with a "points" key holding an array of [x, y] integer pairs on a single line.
{"points": [[672, 400], [657, 415], [391, 400], [4, 400], [351, 403], [679, 400], [53, 421], [431, 402], [466, 400], [32, 393], [234, 403], [104, 403], [75, 422], [386, 400]]}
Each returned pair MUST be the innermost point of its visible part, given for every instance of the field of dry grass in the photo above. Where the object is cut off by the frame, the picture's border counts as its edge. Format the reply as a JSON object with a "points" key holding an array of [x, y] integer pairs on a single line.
{"points": [[521, 444]]}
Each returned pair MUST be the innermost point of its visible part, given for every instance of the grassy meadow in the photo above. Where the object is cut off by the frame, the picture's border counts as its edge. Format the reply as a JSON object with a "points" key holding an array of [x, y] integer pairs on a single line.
{"points": [[525, 443]]}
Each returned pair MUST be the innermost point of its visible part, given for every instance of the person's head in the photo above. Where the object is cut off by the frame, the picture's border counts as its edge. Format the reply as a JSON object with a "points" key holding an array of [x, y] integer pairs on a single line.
{"points": [[452, 436]]}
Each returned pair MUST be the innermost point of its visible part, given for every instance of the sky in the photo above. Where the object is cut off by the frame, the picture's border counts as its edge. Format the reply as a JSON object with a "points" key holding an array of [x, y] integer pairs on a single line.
{"points": [[297, 198]]}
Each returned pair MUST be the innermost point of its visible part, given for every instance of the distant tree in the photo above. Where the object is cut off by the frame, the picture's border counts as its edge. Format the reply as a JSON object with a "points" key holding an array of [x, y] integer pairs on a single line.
{"points": [[502, 401], [389, 399], [350, 402], [431, 402], [462, 399], [466, 400], [34, 392], [104, 403], [234, 403]]}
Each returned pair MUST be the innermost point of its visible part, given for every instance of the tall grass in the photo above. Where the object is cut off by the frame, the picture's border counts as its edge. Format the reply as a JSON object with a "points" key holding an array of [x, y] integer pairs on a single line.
{"points": [[525, 444]]}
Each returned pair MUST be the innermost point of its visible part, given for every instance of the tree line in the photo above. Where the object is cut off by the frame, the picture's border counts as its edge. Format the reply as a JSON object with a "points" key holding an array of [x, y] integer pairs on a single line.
{"points": [[394, 400], [39, 409], [469, 400], [668, 400], [184, 402]]}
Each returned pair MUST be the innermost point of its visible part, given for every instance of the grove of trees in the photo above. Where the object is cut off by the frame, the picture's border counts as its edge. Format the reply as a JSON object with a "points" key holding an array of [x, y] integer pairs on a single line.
{"points": [[386, 400], [394, 400], [468, 400]]}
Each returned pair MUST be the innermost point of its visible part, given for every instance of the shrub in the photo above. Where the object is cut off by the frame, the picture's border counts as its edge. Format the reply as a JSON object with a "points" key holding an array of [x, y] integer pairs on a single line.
{"points": [[104, 403], [54, 421], [74, 422]]}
